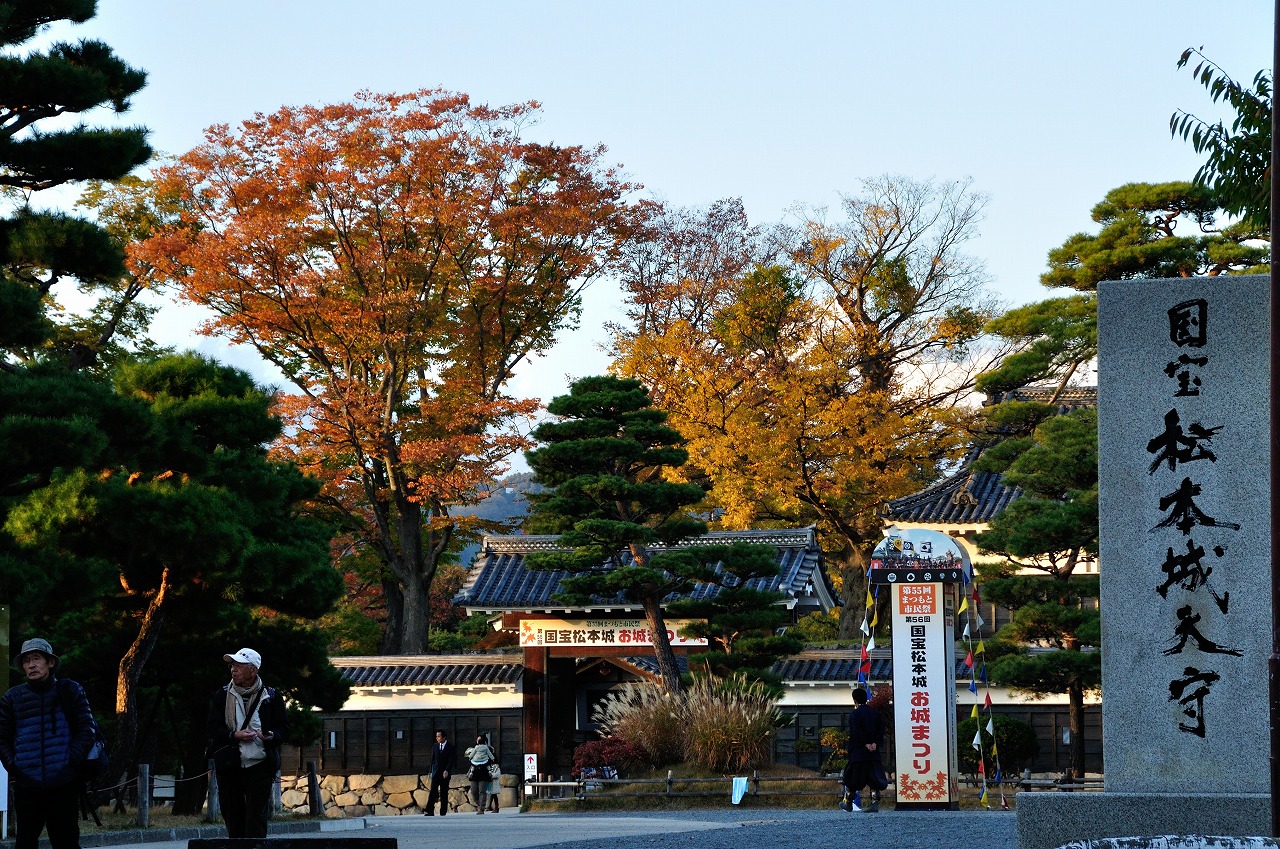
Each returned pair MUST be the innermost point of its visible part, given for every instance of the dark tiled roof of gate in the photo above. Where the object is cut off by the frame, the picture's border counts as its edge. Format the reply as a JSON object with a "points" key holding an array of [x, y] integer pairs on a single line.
{"points": [[1067, 399], [499, 580], [817, 668]]}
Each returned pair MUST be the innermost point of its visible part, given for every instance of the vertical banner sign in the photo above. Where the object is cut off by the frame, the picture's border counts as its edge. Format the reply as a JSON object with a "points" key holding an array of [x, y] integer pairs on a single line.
{"points": [[922, 706], [1184, 521], [914, 565]]}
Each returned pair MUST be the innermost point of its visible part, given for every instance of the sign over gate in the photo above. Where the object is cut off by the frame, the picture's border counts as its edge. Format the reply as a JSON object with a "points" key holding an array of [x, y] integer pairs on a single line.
{"points": [[600, 633]]}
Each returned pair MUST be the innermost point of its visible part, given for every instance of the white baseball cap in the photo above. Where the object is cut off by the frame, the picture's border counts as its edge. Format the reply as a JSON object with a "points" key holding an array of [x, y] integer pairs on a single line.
{"points": [[248, 656]]}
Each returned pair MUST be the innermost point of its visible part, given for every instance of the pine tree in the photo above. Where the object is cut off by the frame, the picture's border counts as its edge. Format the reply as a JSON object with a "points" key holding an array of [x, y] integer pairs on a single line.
{"points": [[611, 503], [39, 249], [1052, 528]]}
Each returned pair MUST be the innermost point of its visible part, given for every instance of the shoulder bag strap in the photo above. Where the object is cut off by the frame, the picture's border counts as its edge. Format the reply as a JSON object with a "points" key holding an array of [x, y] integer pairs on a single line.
{"points": [[253, 706]]}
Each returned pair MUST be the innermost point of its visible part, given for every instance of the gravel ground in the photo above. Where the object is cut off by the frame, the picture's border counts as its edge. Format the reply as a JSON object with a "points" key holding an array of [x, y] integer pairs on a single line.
{"points": [[724, 828], [808, 829]]}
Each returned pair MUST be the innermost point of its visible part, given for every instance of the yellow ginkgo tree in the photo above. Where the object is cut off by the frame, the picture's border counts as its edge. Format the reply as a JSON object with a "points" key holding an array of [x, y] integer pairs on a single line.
{"points": [[816, 371]]}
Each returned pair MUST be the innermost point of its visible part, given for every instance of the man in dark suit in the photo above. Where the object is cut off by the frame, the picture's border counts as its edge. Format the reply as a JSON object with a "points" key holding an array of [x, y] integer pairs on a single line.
{"points": [[866, 740], [442, 758]]}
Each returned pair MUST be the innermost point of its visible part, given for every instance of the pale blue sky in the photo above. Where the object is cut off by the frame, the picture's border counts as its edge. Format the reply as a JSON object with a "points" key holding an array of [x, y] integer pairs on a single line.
{"points": [[1044, 106]]}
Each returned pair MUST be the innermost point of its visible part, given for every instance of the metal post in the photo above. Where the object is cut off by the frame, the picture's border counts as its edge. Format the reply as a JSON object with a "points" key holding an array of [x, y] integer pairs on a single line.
{"points": [[144, 795]]}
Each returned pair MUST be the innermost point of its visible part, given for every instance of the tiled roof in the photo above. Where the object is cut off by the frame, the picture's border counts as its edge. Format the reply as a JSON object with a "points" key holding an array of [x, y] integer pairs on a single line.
{"points": [[499, 581], [649, 664], [1067, 399], [814, 666], [975, 498], [965, 498], [840, 666], [431, 671], [830, 668]]}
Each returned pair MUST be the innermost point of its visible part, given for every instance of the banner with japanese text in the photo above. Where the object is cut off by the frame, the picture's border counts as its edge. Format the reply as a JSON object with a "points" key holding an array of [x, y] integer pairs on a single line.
{"points": [[923, 695], [598, 633]]}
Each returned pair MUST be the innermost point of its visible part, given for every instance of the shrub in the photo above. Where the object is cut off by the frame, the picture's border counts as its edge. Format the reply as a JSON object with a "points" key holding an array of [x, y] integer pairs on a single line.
{"points": [[730, 724], [609, 751], [837, 740], [817, 627], [1015, 740], [647, 717]]}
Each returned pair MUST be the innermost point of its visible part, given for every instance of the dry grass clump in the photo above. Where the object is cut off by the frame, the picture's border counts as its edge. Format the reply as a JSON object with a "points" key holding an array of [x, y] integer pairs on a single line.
{"points": [[648, 717], [720, 725], [729, 725]]}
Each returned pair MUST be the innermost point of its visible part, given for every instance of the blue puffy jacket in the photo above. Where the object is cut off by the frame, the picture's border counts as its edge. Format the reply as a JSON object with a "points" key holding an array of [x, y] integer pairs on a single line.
{"points": [[39, 745]]}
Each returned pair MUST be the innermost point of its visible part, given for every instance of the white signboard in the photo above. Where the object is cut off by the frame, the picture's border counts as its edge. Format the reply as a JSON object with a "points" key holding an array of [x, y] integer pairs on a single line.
{"points": [[597, 633], [923, 695], [530, 766]]}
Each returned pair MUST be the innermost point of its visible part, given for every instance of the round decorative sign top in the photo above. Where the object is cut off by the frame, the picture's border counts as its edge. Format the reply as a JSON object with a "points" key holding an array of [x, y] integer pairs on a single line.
{"points": [[919, 556]]}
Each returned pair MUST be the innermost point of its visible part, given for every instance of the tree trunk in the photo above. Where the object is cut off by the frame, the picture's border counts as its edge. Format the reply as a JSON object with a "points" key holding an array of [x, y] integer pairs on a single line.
{"points": [[852, 567], [413, 639], [662, 650], [130, 671], [1075, 721], [415, 569], [393, 628]]}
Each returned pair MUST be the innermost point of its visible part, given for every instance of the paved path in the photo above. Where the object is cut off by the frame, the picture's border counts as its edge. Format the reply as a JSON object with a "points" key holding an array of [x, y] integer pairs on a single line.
{"points": [[732, 828]]}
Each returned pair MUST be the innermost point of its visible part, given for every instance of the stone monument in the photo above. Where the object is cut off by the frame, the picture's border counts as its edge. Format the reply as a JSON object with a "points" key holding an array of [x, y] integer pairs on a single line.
{"points": [[1185, 562]]}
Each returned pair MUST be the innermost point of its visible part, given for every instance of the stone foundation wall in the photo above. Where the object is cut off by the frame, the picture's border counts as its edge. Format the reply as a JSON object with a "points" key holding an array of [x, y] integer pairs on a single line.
{"points": [[385, 795]]}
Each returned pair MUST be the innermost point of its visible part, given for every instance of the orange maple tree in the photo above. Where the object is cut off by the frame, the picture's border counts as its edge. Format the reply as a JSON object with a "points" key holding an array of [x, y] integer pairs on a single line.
{"points": [[396, 257]]}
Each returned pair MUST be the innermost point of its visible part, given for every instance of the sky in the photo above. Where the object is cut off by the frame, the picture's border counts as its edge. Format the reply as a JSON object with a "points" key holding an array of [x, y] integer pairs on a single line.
{"points": [[1044, 107]]}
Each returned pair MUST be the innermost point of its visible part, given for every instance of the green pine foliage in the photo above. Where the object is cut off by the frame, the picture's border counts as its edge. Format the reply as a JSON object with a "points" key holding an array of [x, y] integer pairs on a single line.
{"points": [[1015, 743], [605, 461], [1051, 644], [39, 248], [178, 540], [740, 625], [144, 529], [1146, 230]]}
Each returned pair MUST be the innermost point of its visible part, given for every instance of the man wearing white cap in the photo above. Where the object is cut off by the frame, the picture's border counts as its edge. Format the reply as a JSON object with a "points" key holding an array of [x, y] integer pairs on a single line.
{"points": [[46, 729], [247, 724]]}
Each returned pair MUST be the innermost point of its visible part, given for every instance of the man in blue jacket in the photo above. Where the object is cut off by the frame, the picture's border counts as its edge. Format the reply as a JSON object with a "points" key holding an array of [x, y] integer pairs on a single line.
{"points": [[42, 749]]}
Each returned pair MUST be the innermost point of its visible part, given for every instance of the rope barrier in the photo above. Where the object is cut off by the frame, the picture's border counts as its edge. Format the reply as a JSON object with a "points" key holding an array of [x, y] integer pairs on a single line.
{"points": [[116, 789]]}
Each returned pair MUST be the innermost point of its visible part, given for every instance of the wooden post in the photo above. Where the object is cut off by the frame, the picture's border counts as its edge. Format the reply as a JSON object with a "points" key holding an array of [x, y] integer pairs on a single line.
{"points": [[212, 809], [314, 805], [144, 795], [535, 705]]}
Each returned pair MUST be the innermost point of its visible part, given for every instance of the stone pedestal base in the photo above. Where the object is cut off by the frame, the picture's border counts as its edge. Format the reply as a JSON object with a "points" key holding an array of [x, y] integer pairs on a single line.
{"points": [[1051, 819]]}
